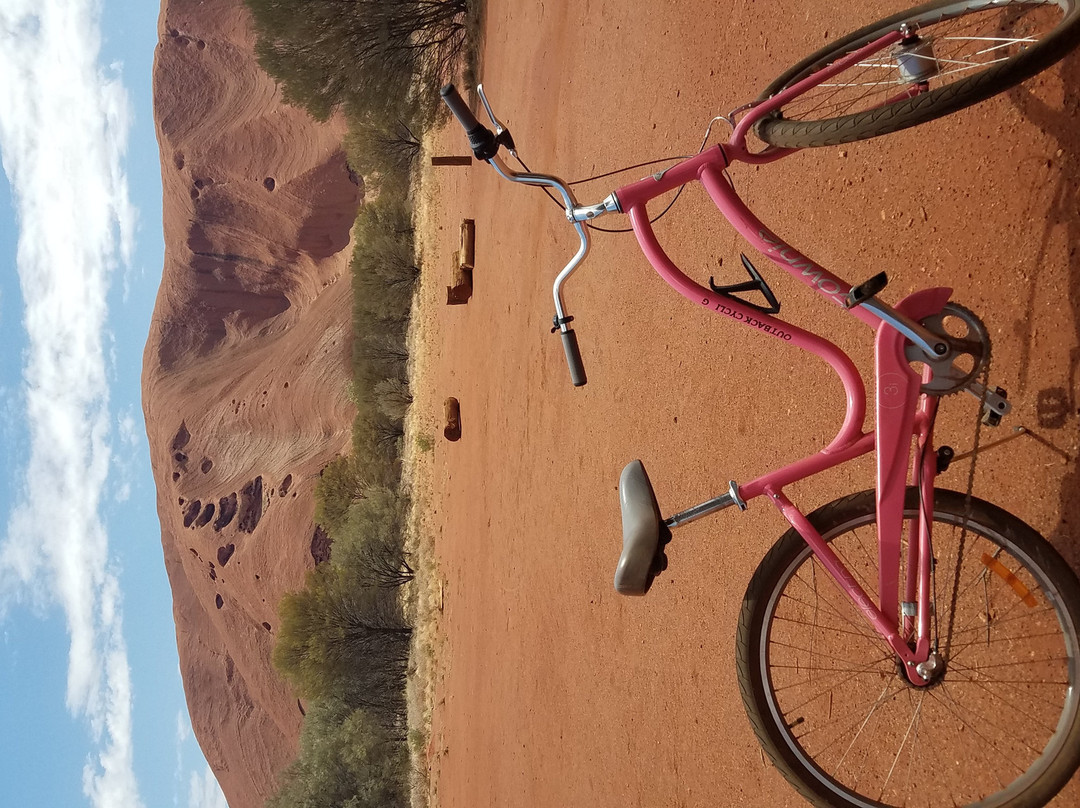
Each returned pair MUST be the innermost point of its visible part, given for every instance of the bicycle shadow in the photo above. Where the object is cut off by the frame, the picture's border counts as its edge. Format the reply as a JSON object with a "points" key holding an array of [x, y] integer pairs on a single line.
{"points": [[1057, 405]]}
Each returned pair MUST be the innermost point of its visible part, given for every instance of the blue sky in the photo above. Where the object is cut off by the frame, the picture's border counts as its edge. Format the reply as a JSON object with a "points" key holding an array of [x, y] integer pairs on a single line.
{"points": [[90, 690]]}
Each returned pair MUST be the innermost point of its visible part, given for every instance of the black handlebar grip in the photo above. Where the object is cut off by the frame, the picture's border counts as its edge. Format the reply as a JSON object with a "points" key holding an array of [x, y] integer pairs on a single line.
{"points": [[573, 357], [481, 139], [457, 105]]}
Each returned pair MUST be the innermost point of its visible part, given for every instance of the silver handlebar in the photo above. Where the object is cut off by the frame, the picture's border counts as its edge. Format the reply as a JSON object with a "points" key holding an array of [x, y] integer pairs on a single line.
{"points": [[576, 214]]}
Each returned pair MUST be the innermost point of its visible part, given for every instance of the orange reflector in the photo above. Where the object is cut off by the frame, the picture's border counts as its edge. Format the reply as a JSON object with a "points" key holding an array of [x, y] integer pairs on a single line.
{"points": [[1006, 575]]}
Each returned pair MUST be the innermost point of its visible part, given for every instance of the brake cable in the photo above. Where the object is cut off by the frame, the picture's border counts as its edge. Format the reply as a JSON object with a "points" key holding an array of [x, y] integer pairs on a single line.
{"points": [[708, 130]]}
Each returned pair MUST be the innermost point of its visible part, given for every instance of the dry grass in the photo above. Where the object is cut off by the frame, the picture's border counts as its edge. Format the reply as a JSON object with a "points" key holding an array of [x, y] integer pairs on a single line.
{"points": [[426, 601]]}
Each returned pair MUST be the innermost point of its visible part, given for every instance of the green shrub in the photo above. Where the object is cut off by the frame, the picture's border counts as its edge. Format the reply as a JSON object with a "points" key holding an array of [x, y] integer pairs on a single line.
{"points": [[384, 153], [365, 55], [340, 485], [341, 639], [346, 761]]}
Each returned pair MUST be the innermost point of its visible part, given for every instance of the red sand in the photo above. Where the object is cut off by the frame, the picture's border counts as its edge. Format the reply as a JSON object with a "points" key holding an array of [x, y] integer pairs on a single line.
{"points": [[555, 691]]}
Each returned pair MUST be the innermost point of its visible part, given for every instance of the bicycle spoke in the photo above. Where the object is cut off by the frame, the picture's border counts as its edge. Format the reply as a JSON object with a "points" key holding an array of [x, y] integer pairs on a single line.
{"points": [[914, 722], [998, 622], [1010, 703], [809, 652], [877, 704], [941, 695], [973, 41], [866, 635], [842, 699], [998, 665], [843, 728], [871, 667], [846, 614]]}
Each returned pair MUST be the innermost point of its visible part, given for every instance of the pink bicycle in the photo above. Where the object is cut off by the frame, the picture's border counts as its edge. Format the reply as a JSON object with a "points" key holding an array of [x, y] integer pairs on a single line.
{"points": [[907, 645]]}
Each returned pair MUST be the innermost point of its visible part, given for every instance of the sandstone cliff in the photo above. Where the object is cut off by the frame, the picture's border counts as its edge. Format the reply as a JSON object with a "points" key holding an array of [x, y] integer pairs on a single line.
{"points": [[244, 372]]}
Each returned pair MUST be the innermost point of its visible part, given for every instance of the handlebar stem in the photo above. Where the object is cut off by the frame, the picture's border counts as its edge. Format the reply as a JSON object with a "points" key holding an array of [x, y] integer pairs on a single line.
{"points": [[584, 213]]}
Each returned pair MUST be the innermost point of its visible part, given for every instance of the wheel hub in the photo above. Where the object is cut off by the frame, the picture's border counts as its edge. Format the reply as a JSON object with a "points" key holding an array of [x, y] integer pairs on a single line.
{"points": [[915, 60], [932, 671]]}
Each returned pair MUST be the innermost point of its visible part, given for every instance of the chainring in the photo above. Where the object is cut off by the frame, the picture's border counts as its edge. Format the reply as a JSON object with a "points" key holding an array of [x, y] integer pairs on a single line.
{"points": [[969, 351]]}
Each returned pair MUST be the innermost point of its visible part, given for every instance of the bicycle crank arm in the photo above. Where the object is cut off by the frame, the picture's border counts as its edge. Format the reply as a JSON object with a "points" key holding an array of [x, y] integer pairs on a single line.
{"points": [[995, 404]]}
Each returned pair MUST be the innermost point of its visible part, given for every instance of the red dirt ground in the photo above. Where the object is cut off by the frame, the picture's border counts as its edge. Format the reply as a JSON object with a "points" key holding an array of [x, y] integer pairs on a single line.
{"points": [[553, 690]]}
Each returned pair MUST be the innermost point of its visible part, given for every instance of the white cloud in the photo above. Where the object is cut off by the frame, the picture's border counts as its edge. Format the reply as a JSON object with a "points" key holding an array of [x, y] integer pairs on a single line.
{"points": [[63, 132], [183, 727], [129, 428], [204, 791], [183, 732]]}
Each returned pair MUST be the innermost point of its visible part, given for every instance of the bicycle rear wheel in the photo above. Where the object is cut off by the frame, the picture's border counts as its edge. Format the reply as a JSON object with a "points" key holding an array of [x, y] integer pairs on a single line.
{"points": [[830, 705], [966, 51]]}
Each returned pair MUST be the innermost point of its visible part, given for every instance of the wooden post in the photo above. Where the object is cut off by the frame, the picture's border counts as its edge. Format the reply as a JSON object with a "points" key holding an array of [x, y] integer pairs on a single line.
{"points": [[461, 287], [468, 244], [452, 415], [451, 161]]}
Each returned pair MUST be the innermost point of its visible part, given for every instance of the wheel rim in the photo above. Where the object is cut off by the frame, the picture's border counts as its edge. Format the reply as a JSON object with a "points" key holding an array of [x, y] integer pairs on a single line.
{"points": [[966, 37], [908, 746]]}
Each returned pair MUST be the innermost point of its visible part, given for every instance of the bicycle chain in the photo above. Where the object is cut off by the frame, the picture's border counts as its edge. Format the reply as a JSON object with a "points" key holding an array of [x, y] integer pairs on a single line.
{"points": [[968, 496]]}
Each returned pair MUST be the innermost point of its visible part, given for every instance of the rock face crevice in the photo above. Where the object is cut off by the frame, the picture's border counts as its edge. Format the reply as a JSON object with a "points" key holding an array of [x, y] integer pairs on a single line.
{"points": [[244, 373]]}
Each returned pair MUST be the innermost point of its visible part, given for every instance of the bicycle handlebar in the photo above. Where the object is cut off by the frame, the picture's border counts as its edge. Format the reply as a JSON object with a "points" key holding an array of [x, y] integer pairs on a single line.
{"points": [[481, 139], [485, 146], [573, 357]]}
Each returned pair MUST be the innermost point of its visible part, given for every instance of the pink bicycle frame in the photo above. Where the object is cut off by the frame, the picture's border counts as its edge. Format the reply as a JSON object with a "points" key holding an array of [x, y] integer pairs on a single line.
{"points": [[903, 414]]}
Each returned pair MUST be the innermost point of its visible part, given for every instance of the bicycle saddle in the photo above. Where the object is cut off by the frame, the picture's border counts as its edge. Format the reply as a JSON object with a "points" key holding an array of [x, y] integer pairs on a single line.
{"points": [[644, 533]]}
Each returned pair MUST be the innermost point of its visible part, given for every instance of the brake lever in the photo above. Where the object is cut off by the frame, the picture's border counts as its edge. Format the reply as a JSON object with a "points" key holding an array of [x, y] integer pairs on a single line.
{"points": [[502, 134]]}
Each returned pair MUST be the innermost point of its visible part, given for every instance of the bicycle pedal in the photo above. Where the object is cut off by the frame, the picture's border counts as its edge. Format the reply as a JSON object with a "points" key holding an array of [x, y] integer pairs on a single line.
{"points": [[865, 290], [996, 407]]}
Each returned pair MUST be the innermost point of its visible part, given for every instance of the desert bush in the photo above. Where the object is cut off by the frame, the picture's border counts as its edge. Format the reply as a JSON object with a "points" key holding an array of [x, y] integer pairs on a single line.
{"points": [[346, 761], [371, 548], [384, 152], [376, 445], [380, 355], [384, 266], [341, 639], [340, 485], [365, 55], [393, 398]]}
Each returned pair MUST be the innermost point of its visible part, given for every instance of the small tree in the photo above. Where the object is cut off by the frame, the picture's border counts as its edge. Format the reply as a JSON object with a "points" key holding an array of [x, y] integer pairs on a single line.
{"points": [[338, 637], [346, 761], [364, 54], [339, 486], [393, 398], [384, 154], [374, 551], [384, 262]]}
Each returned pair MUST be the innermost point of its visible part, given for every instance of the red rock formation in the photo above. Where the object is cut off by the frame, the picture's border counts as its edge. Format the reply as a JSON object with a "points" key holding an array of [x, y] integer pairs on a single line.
{"points": [[244, 373]]}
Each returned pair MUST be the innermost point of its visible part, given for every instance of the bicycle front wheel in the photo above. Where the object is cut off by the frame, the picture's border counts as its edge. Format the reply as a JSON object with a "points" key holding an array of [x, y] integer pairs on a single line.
{"points": [[829, 703], [962, 52]]}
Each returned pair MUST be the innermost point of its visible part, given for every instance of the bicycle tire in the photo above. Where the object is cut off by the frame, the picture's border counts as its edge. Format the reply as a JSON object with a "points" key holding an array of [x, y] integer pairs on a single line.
{"points": [[790, 127], [912, 727]]}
